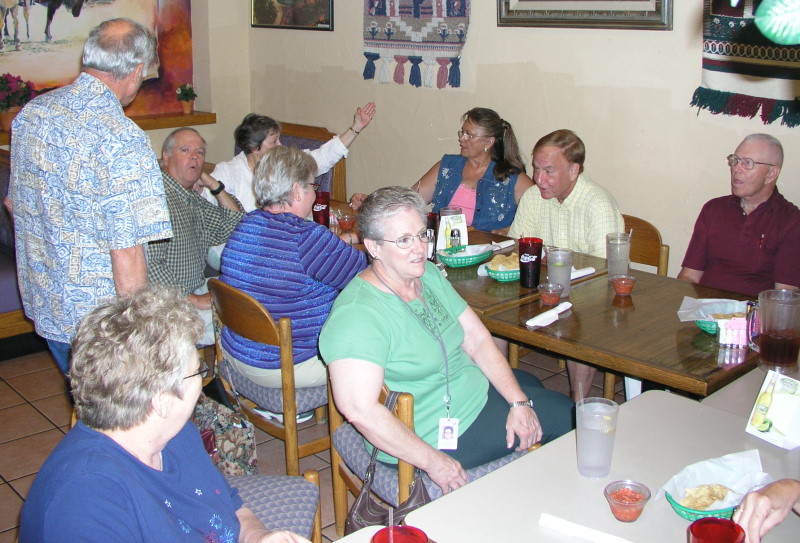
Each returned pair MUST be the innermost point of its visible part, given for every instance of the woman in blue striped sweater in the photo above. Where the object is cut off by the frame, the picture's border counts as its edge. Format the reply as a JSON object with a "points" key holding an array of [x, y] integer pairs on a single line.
{"points": [[293, 266]]}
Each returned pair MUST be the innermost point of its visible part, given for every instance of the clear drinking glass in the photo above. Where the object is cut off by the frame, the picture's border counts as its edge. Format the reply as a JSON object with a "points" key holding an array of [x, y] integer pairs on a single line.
{"points": [[596, 428], [618, 253], [559, 268]]}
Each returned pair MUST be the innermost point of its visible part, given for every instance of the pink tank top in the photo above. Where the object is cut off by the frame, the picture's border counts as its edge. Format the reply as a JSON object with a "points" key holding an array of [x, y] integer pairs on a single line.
{"points": [[465, 197]]}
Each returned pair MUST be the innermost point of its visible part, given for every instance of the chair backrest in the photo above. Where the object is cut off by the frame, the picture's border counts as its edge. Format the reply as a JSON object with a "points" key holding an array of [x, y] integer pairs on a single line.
{"points": [[244, 315], [646, 245], [311, 137]]}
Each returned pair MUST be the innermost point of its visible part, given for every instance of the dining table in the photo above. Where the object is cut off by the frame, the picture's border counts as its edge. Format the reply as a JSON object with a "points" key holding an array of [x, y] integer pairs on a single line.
{"points": [[486, 295], [658, 434], [639, 335]]}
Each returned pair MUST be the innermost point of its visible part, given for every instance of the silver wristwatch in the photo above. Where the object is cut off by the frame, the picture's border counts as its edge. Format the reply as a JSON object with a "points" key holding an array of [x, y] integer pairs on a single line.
{"points": [[527, 403]]}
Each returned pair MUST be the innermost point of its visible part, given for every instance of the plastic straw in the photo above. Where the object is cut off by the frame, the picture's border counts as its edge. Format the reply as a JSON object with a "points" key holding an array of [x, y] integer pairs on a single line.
{"points": [[630, 234], [391, 524], [580, 391]]}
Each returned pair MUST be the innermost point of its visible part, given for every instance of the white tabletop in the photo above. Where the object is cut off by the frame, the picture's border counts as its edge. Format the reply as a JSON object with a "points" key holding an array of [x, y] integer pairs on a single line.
{"points": [[739, 396], [658, 434]]}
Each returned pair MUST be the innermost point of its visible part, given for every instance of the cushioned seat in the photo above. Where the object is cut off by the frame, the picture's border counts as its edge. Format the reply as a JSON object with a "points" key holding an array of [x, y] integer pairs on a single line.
{"points": [[280, 502], [350, 445]]}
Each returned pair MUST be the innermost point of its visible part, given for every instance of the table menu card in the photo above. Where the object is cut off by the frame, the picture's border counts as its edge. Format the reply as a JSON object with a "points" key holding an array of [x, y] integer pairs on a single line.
{"points": [[776, 414]]}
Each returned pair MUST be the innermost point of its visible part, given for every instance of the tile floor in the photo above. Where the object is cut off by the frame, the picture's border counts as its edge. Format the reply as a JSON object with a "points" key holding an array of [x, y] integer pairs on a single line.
{"points": [[35, 414]]}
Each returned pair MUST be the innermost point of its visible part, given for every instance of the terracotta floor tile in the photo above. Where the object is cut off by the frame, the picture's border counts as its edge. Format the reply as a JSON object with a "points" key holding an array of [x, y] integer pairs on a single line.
{"points": [[23, 485], [557, 382], [57, 409], [20, 421], [542, 360], [8, 396], [272, 460], [40, 384], [26, 364], [10, 536], [329, 533], [25, 456], [10, 506], [540, 373]]}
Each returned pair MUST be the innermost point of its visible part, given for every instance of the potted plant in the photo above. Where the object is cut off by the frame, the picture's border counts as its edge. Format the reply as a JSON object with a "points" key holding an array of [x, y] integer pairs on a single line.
{"points": [[186, 97], [14, 93]]}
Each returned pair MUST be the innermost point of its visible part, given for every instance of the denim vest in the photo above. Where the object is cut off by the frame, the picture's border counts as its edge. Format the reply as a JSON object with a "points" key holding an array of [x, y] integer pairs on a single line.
{"points": [[494, 200]]}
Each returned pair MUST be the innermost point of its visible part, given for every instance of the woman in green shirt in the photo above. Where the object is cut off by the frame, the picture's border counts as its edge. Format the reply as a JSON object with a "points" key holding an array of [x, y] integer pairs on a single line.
{"points": [[400, 322]]}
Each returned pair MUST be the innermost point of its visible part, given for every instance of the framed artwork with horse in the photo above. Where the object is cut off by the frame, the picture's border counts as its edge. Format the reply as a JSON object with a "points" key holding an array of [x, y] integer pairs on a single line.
{"points": [[41, 41]]}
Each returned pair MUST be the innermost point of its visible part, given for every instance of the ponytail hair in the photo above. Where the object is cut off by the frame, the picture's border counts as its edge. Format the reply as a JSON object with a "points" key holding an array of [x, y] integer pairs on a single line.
{"points": [[505, 151]]}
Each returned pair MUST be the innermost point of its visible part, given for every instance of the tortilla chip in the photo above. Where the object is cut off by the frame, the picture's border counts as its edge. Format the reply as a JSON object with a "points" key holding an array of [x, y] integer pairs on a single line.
{"points": [[701, 497], [509, 262]]}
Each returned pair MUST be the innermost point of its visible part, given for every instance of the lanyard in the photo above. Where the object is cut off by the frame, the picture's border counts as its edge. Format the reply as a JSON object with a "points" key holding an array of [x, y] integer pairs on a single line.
{"points": [[437, 335]]}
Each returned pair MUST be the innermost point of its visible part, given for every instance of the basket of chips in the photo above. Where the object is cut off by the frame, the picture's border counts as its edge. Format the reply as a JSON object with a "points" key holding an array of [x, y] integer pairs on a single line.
{"points": [[503, 276], [694, 514], [504, 268]]}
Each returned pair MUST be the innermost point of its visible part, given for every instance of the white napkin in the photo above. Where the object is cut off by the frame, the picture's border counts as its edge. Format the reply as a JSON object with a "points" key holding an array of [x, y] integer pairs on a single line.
{"points": [[550, 316], [739, 471], [576, 530], [577, 274], [498, 245], [700, 309]]}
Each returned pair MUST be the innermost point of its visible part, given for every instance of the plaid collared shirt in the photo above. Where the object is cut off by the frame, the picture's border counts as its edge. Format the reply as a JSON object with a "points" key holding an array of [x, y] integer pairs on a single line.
{"points": [[196, 226], [580, 223]]}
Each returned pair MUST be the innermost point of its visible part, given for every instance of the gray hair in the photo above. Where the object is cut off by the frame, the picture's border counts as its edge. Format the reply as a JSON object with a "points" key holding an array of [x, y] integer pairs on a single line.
{"points": [[383, 204], [127, 351], [169, 143], [277, 172], [117, 46], [775, 147]]}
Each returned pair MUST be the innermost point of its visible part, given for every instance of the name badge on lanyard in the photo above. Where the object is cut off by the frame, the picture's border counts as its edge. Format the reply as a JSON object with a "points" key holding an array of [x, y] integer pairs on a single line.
{"points": [[448, 434]]}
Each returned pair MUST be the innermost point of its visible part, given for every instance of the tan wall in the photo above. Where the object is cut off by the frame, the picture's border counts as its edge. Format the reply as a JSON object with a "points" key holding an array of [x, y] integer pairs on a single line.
{"points": [[626, 93]]}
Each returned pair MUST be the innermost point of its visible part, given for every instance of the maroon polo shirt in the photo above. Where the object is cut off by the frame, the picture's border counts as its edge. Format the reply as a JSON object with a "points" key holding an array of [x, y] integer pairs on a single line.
{"points": [[746, 253]]}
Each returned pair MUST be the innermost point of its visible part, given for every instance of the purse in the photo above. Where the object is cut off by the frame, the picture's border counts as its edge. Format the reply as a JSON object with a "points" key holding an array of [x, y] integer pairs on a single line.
{"points": [[366, 511]]}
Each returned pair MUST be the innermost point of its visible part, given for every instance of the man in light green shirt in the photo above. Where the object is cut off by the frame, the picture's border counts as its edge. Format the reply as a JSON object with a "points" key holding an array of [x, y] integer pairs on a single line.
{"points": [[568, 210]]}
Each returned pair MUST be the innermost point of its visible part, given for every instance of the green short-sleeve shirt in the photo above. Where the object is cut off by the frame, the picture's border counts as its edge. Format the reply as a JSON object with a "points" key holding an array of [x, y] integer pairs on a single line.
{"points": [[368, 324]]}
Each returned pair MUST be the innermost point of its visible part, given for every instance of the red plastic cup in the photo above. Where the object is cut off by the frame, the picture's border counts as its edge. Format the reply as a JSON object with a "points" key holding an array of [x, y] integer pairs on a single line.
{"points": [[322, 209], [715, 530], [530, 261], [400, 534]]}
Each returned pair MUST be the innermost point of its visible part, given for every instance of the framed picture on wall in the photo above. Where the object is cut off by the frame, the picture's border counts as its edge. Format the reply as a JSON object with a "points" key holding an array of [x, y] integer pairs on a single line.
{"points": [[625, 14], [296, 14]]}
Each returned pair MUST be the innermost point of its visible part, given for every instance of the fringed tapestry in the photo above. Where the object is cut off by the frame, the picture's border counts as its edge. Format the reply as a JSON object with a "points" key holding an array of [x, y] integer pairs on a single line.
{"points": [[423, 37], [744, 72]]}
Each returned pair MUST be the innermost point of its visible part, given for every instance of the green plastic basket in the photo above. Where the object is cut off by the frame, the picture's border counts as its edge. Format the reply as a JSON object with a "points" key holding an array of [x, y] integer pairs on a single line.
{"points": [[504, 276], [452, 259], [694, 514], [710, 327]]}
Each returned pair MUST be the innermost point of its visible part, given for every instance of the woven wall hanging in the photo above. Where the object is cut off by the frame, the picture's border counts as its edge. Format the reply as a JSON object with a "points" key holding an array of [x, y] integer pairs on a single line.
{"points": [[424, 35], [744, 73]]}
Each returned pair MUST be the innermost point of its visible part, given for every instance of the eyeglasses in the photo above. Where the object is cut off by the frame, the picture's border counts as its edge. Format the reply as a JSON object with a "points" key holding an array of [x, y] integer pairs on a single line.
{"points": [[202, 373], [406, 242], [314, 186], [467, 136], [747, 163]]}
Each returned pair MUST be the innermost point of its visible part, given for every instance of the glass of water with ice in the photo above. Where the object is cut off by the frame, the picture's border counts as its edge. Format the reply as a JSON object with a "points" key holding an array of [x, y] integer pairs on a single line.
{"points": [[596, 428]]}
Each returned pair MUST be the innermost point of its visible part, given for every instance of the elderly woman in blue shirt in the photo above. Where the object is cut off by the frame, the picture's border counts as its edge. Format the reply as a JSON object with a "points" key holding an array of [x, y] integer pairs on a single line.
{"points": [[293, 266]]}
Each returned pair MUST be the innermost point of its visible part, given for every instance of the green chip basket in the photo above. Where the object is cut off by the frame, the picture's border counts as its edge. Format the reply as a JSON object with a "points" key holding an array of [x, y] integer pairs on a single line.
{"points": [[503, 276], [694, 514], [709, 327], [452, 259]]}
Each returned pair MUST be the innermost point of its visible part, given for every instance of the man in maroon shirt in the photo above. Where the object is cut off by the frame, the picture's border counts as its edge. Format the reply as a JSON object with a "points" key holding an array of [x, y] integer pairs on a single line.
{"points": [[749, 241]]}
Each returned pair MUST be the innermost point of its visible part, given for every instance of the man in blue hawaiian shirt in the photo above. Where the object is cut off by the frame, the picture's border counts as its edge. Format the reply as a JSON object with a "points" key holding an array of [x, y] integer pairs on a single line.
{"points": [[86, 189]]}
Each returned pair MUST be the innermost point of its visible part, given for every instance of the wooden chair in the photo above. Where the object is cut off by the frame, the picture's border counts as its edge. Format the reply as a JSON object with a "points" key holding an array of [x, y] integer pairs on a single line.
{"points": [[646, 245], [311, 137], [245, 316], [280, 502], [349, 460]]}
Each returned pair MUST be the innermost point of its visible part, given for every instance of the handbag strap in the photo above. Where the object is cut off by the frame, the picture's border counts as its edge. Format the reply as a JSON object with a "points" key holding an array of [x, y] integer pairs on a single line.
{"points": [[391, 401]]}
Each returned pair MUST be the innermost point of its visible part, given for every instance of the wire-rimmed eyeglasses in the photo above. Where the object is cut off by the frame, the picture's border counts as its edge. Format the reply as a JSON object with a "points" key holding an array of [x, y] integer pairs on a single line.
{"points": [[747, 163], [467, 136], [202, 373], [404, 242]]}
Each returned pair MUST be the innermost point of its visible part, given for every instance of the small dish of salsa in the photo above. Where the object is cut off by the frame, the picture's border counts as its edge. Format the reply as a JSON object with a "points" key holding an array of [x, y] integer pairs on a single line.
{"points": [[626, 499]]}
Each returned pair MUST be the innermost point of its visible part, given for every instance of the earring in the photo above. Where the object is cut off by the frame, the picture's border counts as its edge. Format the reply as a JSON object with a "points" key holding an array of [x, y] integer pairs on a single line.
{"points": [[485, 149]]}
